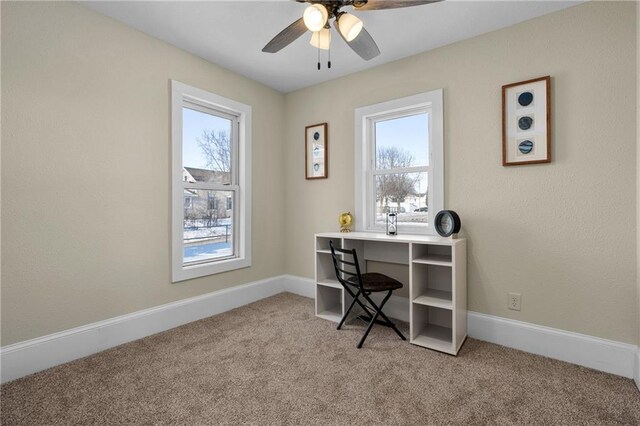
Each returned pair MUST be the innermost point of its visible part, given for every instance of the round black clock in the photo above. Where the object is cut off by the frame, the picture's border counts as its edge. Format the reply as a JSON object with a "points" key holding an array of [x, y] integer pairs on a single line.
{"points": [[447, 223]]}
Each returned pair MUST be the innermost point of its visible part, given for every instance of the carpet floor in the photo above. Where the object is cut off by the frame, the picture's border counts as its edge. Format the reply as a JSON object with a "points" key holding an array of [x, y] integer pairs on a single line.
{"points": [[273, 362]]}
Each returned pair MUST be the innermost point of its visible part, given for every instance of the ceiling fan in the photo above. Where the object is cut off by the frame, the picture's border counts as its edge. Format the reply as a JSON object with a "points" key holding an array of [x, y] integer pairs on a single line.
{"points": [[317, 17]]}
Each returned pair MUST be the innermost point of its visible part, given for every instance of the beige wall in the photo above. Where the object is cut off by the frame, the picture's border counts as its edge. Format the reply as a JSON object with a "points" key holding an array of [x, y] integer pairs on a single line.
{"points": [[637, 376], [563, 234], [86, 166]]}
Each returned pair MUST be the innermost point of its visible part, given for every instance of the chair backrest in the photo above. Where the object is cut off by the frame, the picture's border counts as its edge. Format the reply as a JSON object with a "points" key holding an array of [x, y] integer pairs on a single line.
{"points": [[350, 258]]}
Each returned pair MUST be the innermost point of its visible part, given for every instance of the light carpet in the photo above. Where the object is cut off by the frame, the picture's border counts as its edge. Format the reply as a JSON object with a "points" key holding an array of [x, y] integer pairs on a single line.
{"points": [[274, 362]]}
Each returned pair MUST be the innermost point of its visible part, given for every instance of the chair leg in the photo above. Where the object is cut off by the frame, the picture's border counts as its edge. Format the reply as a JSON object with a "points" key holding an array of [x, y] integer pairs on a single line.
{"points": [[346, 314], [356, 299], [375, 316], [387, 322], [364, 307], [366, 333]]}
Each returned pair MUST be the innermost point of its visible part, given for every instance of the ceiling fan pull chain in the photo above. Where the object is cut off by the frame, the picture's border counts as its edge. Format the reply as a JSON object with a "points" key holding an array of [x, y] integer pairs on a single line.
{"points": [[329, 63], [318, 57]]}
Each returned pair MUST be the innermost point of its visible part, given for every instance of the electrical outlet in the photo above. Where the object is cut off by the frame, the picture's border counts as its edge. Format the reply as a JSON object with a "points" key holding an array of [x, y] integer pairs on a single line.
{"points": [[515, 301]]}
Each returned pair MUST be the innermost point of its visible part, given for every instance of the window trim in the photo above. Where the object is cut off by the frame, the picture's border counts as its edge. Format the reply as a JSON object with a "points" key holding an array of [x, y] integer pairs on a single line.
{"points": [[241, 182], [365, 118]]}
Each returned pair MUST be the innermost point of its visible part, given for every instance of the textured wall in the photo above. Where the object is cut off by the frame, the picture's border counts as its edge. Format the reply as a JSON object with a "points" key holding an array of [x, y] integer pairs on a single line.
{"points": [[562, 234], [86, 169]]}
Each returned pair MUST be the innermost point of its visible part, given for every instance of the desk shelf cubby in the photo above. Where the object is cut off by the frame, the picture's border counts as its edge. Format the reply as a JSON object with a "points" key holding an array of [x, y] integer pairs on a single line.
{"points": [[432, 285], [329, 302], [437, 298], [432, 255], [322, 244], [432, 328]]}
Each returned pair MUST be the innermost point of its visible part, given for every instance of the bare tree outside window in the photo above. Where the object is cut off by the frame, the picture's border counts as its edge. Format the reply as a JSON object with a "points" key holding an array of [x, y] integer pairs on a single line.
{"points": [[216, 149], [392, 157], [394, 187]]}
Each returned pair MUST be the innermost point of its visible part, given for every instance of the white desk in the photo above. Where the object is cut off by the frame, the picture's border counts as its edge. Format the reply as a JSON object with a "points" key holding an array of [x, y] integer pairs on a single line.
{"points": [[437, 282]]}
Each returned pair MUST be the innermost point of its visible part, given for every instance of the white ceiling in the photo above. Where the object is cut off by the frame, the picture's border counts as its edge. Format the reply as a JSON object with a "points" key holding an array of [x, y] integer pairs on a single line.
{"points": [[233, 33]]}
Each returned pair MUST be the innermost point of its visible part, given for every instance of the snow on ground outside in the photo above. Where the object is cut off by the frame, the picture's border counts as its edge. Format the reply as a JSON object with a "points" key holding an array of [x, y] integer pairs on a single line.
{"points": [[416, 218], [207, 251], [219, 230]]}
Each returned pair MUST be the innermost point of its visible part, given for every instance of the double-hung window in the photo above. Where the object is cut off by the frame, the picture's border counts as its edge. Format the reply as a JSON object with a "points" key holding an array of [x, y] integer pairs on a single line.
{"points": [[211, 193], [399, 163]]}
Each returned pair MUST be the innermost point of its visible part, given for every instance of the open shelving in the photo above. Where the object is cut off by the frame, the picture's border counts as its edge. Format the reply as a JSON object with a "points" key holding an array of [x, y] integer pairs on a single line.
{"points": [[432, 327], [334, 283], [329, 302], [434, 259], [322, 244], [432, 285], [434, 337], [329, 292], [437, 298], [431, 254]]}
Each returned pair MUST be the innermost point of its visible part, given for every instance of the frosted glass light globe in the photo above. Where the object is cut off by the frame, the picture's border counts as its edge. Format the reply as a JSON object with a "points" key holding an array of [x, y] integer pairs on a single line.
{"points": [[349, 26], [321, 39], [315, 17]]}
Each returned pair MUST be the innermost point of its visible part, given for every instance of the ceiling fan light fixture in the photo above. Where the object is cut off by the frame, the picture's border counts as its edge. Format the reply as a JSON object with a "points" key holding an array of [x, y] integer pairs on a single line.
{"points": [[349, 26], [315, 17], [321, 39]]}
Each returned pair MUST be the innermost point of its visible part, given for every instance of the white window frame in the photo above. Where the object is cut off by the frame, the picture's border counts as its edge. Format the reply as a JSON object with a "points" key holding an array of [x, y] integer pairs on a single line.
{"points": [[181, 95], [365, 119]]}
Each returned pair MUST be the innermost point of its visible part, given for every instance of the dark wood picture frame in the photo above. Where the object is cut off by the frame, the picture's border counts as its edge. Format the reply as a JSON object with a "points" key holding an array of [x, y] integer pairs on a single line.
{"points": [[309, 154], [505, 88]]}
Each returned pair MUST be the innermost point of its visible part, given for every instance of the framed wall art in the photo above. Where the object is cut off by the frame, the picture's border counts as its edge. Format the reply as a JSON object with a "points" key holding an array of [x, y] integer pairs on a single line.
{"points": [[526, 122], [316, 151]]}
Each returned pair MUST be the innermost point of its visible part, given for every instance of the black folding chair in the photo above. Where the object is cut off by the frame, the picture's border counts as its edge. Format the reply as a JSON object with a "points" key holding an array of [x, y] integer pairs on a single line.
{"points": [[357, 284]]}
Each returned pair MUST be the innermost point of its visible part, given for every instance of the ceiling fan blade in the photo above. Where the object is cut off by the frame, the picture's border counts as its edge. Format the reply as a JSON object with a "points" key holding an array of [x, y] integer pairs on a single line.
{"points": [[363, 44], [391, 4], [286, 37]]}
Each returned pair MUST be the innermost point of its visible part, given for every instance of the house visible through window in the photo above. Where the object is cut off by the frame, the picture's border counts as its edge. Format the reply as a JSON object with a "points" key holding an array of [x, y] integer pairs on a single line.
{"points": [[401, 168], [400, 163], [211, 152], [213, 202]]}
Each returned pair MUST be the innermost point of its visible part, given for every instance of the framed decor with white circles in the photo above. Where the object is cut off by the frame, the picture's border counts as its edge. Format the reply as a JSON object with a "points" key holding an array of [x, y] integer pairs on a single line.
{"points": [[526, 122], [316, 151]]}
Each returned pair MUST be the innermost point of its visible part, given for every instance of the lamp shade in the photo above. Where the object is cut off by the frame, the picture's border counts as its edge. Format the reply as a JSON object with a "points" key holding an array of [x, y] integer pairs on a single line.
{"points": [[321, 39], [315, 17], [349, 26]]}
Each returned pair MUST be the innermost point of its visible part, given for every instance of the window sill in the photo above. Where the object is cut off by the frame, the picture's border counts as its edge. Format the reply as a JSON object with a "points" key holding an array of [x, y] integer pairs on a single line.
{"points": [[195, 271]]}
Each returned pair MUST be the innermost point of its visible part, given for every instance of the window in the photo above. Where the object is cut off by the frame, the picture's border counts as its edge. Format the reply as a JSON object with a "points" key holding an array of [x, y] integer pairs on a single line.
{"points": [[211, 150], [213, 202], [399, 163]]}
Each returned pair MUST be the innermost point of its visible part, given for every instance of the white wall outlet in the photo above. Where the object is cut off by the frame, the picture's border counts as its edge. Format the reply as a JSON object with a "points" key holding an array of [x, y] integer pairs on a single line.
{"points": [[515, 301]]}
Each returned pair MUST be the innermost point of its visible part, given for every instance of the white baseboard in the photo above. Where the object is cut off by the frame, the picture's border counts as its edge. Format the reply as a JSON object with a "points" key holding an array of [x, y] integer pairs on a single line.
{"points": [[38, 354], [593, 352], [600, 354], [298, 285]]}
